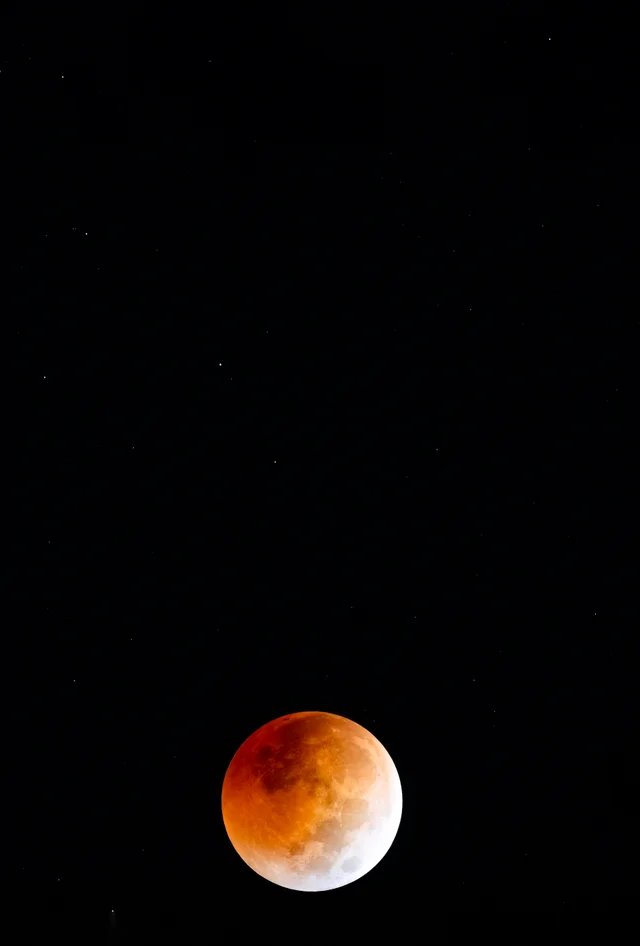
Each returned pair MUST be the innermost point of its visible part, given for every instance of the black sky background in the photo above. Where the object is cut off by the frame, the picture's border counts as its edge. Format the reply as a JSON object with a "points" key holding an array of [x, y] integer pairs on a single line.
{"points": [[322, 334]]}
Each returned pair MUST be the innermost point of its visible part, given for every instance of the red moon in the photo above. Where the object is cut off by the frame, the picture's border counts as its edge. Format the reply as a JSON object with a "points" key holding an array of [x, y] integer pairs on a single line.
{"points": [[311, 801]]}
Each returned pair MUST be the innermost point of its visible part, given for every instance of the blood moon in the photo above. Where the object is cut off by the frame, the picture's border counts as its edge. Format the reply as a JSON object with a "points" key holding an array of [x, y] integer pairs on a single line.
{"points": [[311, 801]]}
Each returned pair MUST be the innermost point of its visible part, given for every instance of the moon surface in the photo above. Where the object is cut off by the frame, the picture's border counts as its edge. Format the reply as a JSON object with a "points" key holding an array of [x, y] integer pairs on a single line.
{"points": [[311, 801]]}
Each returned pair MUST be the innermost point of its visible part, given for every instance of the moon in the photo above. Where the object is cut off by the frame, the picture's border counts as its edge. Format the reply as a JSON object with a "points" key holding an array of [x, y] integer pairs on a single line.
{"points": [[311, 801]]}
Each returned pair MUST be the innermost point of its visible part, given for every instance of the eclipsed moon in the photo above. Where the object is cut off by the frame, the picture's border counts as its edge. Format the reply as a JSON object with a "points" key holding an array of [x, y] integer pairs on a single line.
{"points": [[311, 801]]}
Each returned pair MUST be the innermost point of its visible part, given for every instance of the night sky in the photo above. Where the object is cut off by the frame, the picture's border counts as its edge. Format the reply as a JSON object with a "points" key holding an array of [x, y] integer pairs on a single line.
{"points": [[321, 330]]}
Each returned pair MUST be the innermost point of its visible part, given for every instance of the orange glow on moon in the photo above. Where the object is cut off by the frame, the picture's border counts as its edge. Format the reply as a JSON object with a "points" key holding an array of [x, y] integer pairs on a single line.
{"points": [[311, 801]]}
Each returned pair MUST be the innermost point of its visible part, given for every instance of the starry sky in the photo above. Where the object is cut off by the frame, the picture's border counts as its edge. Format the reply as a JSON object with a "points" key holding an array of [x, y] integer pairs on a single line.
{"points": [[321, 339]]}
